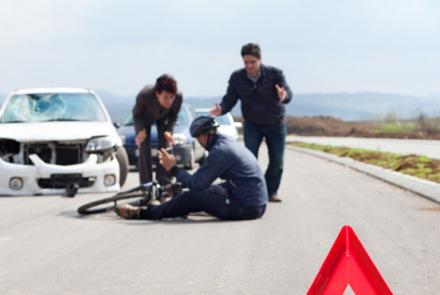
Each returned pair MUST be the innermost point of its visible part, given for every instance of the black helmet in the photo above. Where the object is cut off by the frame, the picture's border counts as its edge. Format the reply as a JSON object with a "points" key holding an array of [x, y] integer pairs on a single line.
{"points": [[201, 125]]}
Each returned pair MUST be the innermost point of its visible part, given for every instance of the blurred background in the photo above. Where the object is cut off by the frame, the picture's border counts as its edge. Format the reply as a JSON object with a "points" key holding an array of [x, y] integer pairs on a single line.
{"points": [[357, 68]]}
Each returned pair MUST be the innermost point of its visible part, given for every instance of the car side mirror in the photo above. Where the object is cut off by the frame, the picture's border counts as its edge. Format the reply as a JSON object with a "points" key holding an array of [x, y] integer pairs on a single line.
{"points": [[117, 125]]}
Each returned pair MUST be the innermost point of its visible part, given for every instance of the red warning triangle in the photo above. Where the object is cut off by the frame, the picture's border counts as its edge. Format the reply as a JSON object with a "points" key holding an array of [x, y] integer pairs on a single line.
{"points": [[348, 263]]}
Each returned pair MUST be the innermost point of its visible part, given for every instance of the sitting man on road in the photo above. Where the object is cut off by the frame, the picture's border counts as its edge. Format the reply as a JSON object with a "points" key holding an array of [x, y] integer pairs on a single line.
{"points": [[242, 196]]}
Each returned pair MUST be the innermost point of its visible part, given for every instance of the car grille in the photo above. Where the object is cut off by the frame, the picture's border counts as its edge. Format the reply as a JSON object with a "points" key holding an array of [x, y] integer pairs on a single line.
{"points": [[55, 153], [60, 181]]}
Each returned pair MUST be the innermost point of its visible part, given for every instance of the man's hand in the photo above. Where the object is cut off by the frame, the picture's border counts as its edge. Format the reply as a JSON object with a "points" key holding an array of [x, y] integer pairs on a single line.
{"points": [[169, 137], [281, 92], [216, 111], [140, 137], [167, 160]]}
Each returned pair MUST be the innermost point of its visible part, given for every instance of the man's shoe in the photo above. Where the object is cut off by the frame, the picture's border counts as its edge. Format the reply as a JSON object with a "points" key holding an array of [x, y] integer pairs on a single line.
{"points": [[128, 211], [275, 199]]}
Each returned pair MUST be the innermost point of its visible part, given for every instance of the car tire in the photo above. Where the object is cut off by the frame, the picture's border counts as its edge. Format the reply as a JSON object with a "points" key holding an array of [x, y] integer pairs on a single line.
{"points": [[122, 157]]}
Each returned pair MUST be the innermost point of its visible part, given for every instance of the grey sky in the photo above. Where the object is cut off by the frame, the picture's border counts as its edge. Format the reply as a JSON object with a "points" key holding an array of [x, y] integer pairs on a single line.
{"points": [[322, 46]]}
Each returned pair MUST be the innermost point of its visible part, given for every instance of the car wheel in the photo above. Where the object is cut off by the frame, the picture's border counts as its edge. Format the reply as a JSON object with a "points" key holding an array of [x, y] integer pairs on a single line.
{"points": [[122, 157]]}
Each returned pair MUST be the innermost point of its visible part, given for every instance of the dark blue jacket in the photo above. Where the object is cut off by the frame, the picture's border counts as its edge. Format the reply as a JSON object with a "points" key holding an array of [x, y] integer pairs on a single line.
{"points": [[259, 101], [231, 161]]}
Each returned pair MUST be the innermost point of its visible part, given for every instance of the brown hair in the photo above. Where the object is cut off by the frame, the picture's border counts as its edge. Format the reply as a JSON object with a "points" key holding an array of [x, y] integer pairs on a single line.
{"points": [[251, 49], [166, 83]]}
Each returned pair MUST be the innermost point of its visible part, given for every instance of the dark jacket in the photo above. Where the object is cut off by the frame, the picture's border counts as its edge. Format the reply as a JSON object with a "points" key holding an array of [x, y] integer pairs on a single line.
{"points": [[259, 101], [148, 111], [231, 161]]}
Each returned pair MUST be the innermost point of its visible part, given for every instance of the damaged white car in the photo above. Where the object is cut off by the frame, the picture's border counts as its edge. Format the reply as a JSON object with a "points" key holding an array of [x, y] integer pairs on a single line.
{"points": [[59, 141]]}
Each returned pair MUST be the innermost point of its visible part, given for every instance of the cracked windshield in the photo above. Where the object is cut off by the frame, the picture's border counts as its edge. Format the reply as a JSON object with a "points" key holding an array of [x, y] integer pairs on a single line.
{"points": [[52, 107]]}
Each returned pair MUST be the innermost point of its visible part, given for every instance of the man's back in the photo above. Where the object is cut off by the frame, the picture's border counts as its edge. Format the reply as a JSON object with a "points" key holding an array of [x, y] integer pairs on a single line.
{"points": [[232, 162], [244, 179]]}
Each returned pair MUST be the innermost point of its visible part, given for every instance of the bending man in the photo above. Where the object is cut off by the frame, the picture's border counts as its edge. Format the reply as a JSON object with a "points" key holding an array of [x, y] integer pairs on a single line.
{"points": [[158, 105]]}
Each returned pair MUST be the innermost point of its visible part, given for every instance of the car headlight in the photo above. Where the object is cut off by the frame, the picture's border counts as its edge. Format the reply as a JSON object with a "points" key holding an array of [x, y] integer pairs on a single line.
{"points": [[180, 138], [99, 144]]}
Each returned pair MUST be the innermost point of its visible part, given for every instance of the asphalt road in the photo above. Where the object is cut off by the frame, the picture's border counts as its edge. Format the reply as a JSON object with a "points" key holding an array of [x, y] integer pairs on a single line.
{"points": [[46, 248], [430, 148]]}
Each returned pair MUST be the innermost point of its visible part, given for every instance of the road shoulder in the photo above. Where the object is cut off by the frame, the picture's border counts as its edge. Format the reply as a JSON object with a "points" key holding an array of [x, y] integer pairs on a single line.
{"points": [[426, 189]]}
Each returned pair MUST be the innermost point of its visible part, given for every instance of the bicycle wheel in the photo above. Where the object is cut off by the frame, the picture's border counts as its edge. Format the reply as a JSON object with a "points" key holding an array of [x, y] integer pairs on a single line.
{"points": [[104, 205]]}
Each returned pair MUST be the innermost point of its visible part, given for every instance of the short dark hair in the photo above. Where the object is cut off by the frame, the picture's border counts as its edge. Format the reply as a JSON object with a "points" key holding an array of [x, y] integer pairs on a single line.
{"points": [[166, 83], [251, 49]]}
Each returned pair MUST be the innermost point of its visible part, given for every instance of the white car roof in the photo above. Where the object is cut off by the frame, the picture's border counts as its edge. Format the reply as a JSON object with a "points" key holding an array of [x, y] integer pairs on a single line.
{"points": [[52, 90], [202, 110]]}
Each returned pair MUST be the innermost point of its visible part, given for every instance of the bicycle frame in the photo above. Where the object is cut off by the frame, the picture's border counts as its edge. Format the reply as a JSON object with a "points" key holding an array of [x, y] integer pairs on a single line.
{"points": [[148, 193]]}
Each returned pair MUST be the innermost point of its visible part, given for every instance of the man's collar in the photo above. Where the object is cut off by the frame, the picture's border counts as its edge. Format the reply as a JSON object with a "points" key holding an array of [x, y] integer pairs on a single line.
{"points": [[261, 73]]}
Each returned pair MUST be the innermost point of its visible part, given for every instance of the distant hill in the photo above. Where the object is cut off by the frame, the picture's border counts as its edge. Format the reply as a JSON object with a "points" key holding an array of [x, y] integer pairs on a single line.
{"points": [[364, 105], [359, 106], [351, 106]]}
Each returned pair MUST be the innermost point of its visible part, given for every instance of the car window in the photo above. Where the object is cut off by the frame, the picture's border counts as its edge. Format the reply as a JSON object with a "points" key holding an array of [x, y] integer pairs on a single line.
{"points": [[128, 121], [182, 118], [52, 107], [192, 112]]}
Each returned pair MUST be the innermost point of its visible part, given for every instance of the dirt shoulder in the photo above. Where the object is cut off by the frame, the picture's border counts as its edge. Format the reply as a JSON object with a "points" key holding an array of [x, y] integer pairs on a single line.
{"points": [[328, 126]]}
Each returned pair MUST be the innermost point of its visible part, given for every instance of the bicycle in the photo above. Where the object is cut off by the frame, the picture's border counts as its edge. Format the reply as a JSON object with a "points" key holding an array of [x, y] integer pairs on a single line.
{"points": [[145, 193]]}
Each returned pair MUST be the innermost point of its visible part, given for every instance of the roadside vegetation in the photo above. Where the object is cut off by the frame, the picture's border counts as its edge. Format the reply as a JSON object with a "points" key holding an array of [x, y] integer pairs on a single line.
{"points": [[418, 166], [396, 127], [421, 127]]}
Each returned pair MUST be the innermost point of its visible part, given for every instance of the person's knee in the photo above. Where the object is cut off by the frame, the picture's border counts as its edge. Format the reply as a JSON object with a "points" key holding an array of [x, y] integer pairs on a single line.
{"points": [[253, 147], [276, 164]]}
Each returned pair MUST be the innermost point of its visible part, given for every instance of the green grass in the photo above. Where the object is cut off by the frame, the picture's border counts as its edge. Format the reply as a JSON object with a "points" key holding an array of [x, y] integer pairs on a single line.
{"points": [[396, 127], [418, 166]]}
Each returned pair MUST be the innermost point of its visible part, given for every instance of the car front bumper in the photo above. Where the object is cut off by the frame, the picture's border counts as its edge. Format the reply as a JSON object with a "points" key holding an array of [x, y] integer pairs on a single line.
{"points": [[42, 178]]}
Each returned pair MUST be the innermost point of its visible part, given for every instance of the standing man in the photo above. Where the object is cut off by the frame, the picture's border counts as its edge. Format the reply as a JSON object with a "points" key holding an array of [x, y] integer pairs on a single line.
{"points": [[161, 105], [263, 91]]}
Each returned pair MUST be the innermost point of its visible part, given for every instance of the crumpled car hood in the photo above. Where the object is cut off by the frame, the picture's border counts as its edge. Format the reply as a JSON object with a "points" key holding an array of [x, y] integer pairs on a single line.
{"points": [[55, 131]]}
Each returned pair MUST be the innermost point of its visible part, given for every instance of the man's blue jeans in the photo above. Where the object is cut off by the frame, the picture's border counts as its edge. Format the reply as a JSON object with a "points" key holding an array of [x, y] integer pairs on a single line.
{"points": [[275, 138]]}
